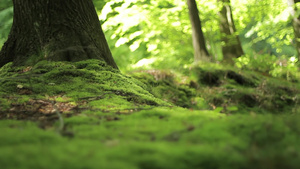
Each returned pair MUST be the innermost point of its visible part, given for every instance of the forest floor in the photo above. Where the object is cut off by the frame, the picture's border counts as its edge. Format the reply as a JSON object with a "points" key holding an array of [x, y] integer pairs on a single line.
{"points": [[87, 115]]}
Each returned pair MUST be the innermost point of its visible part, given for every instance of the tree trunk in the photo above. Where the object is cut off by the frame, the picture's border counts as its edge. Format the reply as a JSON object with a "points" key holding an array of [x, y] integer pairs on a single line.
{"points": [[55, 30], [200, 51], [296, 23], [231, 45]]}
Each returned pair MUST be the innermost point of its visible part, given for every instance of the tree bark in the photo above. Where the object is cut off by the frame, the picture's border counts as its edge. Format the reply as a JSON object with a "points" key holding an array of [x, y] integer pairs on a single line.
{"points": [[55, 30], [231, 45], [296, 23], [200, 50]]}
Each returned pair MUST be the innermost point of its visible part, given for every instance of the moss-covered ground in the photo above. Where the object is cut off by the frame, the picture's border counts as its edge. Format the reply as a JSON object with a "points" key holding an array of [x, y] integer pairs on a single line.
{"points": [[87, 115]]}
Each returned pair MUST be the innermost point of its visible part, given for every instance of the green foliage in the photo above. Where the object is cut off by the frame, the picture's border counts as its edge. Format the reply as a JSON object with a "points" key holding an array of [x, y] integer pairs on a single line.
{"points": [[100, 4], [159, 32], [6, 19], [262, 63], [269, 32], [284, 67]]}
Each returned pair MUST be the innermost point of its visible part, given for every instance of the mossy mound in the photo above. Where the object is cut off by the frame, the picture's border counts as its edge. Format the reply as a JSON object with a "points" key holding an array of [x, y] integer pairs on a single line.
{"points": [[244, 91], [225, 89], [162, 84], [82, 85]]}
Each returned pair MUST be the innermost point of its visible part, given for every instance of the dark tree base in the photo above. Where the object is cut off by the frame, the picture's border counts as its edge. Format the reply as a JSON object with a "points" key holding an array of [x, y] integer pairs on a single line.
{"points": [[55, 30]]}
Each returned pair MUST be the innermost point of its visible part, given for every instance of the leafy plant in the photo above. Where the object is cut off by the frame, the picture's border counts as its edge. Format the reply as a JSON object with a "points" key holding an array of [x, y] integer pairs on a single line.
{"points": [[6, 19], [284, 66]]}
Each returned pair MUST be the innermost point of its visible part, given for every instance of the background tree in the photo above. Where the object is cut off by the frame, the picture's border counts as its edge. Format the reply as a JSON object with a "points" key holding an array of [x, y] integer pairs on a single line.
{"points": [[55, 30], [296, 22], [231, 47], [159, 33], [200, 51]]}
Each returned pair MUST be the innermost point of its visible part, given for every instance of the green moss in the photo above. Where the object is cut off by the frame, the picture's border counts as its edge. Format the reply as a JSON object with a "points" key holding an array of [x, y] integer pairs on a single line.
{"points": [[250, 91], [14, 133], [119, 103], [145, 139], [118, 122], [223, 87], [166, 88], [80, 120], [4, 104], [79, 80]]}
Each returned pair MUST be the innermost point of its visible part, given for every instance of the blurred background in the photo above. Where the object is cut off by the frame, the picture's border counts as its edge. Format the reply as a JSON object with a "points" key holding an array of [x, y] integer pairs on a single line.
{"points": [[157, 34]]}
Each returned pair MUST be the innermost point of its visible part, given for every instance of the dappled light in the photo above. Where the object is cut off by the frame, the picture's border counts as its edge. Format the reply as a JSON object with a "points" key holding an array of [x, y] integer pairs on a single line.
{"points": [[140, 84]]}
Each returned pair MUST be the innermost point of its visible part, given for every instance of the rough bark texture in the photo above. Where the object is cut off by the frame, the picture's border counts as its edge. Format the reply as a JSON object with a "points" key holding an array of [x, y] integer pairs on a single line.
{"points": [[200, 51], [231, 47], [56, 30], [296, 23]]}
